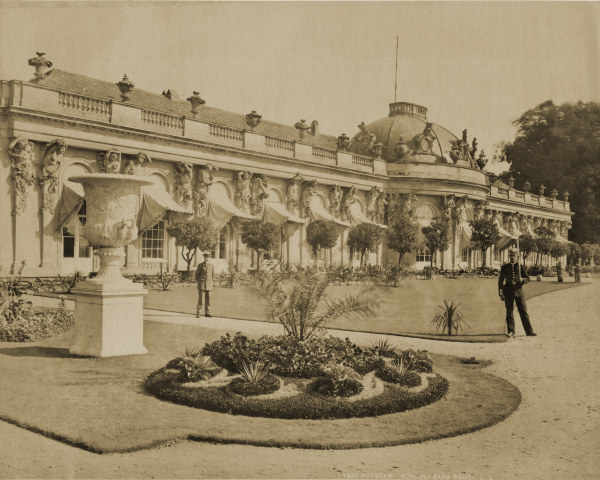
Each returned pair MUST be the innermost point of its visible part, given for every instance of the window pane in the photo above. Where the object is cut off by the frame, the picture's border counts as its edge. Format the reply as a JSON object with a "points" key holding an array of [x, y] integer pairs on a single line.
{"points": [[153, 241], [68, 244]]}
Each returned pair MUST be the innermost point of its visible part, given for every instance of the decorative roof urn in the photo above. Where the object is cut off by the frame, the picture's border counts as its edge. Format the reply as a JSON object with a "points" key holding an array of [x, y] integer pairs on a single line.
{"points": [[565, 196], [542, 189], [526, 186], [377, 149], [343, 141], [554, 194], [253, 119], [125, 86], [196, 102], [40, 64]]}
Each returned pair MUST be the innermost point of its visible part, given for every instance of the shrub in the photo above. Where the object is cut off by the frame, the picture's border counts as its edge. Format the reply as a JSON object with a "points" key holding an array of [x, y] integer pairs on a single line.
{"points": [[344, 388], [450, 318], [268, 383], [395, 373], [289, 357], [392, 400]]}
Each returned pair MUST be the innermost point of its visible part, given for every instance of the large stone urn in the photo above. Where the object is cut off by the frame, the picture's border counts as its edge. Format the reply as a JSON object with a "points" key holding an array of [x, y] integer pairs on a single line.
{"points": [[109, 308]]}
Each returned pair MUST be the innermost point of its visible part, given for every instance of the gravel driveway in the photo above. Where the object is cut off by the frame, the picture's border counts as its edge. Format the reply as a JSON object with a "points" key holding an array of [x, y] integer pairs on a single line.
{"points": [[553, 434]]}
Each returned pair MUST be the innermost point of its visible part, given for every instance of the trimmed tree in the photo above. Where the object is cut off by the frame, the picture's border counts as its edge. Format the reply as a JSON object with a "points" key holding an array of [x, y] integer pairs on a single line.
{"points": [[574, 253], [365, 237], [437, 237], [322, 234], [558, 249], [543, 242], [484, 234], [190, 235], [402, 237], [259, 236], [527, 245]]}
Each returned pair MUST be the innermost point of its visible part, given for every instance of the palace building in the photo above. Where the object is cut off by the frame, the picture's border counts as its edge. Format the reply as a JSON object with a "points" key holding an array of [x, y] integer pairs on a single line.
{"points": [[232, 167]]}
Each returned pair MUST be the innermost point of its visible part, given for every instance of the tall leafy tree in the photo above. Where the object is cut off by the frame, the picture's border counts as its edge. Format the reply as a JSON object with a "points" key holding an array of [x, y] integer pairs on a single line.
{"points": [[322, 234], [259, 236], [484, 234], [437, 237], [402, 237], [365, 237], [559, 146], [191, 235]]}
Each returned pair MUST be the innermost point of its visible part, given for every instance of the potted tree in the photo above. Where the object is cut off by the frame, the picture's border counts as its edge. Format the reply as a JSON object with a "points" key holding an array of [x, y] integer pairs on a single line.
{"points": [[259, 236], [191, 235], [437, 238], [365, 237], [484, 234], [321, 234]]}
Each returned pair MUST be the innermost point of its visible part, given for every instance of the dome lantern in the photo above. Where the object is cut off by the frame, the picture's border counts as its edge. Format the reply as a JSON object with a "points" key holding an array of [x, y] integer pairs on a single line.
{"points": [[406, 108]]}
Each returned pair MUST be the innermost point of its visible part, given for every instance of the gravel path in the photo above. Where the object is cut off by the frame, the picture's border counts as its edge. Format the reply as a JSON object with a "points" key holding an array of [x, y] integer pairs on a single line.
{"points": [[553, 434]]}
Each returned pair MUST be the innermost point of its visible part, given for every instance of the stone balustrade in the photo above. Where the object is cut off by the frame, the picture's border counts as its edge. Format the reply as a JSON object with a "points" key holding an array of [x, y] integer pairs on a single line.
{"points": [[163, 121], [228, 134], [326, 155], [84, 105], [279, 144]]}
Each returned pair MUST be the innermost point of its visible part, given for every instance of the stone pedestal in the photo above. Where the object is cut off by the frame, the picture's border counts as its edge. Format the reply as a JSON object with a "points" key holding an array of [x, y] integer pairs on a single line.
{"points": [[109, 322]]}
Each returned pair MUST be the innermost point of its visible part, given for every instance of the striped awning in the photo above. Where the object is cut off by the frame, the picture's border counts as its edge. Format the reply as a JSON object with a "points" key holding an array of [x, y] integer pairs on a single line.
{"points": [[156, 201]]}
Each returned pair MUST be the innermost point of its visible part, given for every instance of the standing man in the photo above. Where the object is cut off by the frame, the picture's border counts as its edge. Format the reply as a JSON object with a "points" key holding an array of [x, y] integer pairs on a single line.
{"points": [[510, 287], [205, 274]]}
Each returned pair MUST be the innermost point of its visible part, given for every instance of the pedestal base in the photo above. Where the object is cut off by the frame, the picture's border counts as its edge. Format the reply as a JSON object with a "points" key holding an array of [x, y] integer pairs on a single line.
{"points": [[109, 322]]}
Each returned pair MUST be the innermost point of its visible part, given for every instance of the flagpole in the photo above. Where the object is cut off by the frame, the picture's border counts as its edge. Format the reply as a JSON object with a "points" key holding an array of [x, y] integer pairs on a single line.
{"points": [[396, 79]]}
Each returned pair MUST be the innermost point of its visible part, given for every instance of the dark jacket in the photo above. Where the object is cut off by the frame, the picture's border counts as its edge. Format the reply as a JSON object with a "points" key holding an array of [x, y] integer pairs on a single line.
{"points": [[205, 274], [511, 280]]}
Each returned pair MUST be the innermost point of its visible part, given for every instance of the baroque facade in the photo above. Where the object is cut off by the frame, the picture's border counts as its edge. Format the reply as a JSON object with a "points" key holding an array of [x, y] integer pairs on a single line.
{"points": [[232, 167]]}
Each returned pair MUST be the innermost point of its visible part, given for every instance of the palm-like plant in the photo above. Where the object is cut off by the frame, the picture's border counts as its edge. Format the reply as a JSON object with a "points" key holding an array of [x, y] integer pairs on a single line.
{"points": [[384, 347], [293, 298], [254, 372], [198, 368], [450, 318]]}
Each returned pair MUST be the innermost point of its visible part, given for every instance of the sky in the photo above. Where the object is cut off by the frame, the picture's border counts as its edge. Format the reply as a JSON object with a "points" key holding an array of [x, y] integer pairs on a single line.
{"points": [[474, 65]]}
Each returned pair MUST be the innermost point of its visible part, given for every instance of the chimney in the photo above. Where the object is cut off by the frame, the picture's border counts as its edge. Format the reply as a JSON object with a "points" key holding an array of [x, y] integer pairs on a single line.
{"points": [[171, 94], [314, 128]]}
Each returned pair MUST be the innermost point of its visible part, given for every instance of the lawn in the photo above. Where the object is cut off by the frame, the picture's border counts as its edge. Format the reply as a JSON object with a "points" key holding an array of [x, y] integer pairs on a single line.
{"points": [[407, 310], [100, 404]]}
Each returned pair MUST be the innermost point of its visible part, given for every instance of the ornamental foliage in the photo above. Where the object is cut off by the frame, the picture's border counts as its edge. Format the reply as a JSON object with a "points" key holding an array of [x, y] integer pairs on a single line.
{"points": [[557, 146], [437, 237], [527, 245], [484, 234], [322, 234], [402, 237], [195, 233], [260, 236], [365, 237]]}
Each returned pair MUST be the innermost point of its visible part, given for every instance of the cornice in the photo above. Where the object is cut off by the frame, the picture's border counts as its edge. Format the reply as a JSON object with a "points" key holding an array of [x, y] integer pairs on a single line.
{"points": [[158, 136]]}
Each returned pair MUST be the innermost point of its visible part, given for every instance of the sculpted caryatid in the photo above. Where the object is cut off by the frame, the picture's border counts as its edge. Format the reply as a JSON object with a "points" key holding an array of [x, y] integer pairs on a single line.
{"points": [[21, 152], [478, 210], [382, 202], [409, 206], [372, 197], [449, 206], [183, 183], [52, 158], [259, 193], [293, 193], [335, 199], [310, 188], [394, 209], [205, 180], [348, 199], [243, 193], [462, 215]]}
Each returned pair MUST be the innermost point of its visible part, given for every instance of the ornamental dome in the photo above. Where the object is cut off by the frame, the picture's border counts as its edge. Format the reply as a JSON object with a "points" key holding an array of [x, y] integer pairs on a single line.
{"points": [[407, 136]]}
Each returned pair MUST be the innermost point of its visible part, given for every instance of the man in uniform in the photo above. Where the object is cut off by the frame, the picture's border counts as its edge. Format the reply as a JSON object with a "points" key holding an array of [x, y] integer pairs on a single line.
{"points": [[205, 274], [510, 287]]}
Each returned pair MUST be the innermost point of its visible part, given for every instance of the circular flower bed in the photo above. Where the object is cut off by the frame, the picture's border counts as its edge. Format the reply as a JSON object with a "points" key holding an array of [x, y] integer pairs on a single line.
{"points": [[280, 377]]}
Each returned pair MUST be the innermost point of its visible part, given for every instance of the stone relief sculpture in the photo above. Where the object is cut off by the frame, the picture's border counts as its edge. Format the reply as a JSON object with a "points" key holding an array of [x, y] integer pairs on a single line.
{"points": [[293, 193], [409, 206], [364, 140], [423, 142], [132, 163], [380, 211], [335, 200], [259, 192], [109, 161], [372, 197], [205, 180], [401, 150], [348, 199], [21, 152], [52, 157], [183, 183], [243, 193], [310, 188]]}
